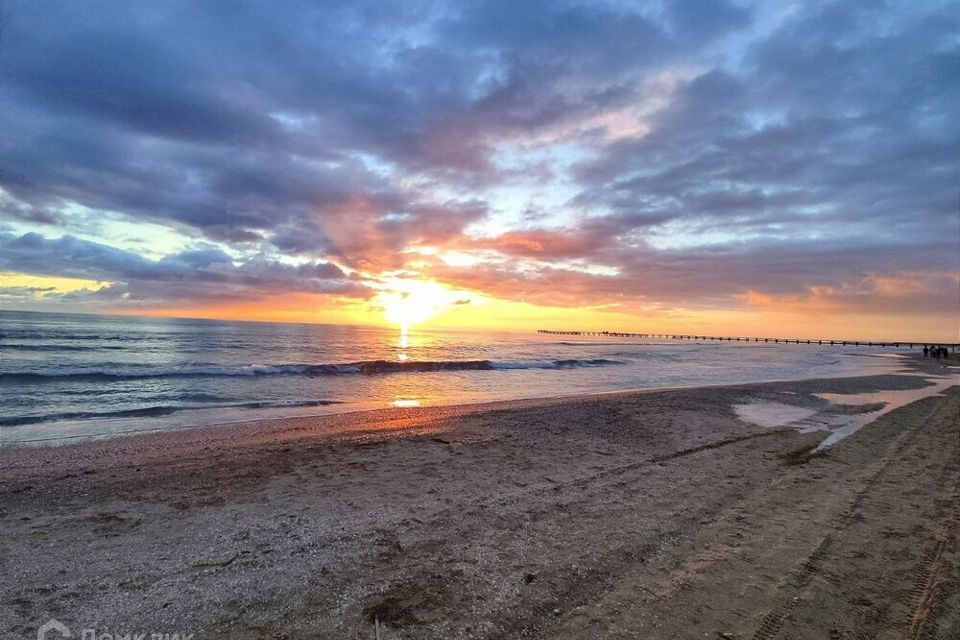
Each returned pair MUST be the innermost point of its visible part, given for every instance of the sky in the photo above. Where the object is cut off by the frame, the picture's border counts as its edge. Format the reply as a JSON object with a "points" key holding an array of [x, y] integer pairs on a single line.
{"points": [[747, 168]]}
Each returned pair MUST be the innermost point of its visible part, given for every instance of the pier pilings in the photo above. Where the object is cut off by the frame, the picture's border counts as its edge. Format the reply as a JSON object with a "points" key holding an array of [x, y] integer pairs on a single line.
{"points": [[953, 346]]}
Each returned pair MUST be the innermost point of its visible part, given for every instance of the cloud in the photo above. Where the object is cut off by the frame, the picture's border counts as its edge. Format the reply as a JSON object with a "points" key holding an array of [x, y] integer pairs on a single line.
{"points": [[202, 275], [25, 294], [699, 20], [682, 153]]}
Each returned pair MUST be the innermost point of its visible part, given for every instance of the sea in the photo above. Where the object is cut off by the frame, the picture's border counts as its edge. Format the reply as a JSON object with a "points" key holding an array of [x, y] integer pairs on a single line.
{"points": [[68, 376]]}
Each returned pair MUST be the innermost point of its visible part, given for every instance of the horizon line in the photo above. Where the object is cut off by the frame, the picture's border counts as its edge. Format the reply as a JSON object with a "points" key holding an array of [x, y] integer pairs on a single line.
{"points": [[667, 335]]}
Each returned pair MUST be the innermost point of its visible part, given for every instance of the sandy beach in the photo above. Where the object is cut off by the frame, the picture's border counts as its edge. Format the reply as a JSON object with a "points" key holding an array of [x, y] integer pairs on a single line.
{"points": [[659, 514], [479, 320]]}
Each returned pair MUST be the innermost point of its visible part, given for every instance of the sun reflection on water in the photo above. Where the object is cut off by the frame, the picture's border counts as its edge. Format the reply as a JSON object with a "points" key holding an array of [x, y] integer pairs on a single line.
{"points": [[410, 391], [404, 343]]}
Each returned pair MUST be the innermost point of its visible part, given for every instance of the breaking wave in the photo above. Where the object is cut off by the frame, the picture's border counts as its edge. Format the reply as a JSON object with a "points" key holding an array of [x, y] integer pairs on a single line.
{"points": [[161, 410], [366, 367]]}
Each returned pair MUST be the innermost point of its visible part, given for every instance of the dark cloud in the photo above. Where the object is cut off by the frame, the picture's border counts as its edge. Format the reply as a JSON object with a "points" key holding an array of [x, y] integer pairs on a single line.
{"points": [[11, 210], [713, 277], [703, 149], [25, 294], [203, 275], [699, 20]]}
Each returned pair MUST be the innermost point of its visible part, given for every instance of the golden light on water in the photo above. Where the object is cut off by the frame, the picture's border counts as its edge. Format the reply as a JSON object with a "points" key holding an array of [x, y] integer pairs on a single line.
{"points": [[404, 343], [409, 392]]}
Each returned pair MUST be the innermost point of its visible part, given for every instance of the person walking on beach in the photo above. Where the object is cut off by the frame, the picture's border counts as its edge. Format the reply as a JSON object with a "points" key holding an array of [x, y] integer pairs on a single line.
{"points": [[936, 352], [926, 351]]}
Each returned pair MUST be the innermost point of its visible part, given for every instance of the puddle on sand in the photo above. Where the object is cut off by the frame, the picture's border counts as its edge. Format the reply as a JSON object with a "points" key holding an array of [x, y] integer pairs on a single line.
{"points": [[840, 419], [772, 414]]}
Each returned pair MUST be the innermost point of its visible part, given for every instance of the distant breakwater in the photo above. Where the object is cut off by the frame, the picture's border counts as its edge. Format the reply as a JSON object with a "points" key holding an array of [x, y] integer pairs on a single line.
{"points": [[675, 336]]}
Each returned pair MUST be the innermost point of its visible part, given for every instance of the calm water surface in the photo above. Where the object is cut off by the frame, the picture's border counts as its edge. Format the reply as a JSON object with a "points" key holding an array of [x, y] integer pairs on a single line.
{"points": [[65, 375]]}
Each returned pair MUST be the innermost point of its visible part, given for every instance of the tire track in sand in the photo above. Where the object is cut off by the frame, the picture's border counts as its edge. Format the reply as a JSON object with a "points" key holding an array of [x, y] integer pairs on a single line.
{"points": [[931, 575]]}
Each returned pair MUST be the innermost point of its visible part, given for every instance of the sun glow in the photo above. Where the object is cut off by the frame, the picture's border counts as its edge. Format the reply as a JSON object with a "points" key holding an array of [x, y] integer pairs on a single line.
{"points": [[410, 302]]}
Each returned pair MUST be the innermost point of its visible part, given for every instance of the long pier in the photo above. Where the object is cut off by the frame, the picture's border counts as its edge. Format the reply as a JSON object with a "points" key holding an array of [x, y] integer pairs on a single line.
{"points": [[676, 336]]}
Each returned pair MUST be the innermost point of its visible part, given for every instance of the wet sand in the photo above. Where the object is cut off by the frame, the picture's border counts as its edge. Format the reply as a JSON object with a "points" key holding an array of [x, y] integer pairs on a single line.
{"points": [[631, 515]]}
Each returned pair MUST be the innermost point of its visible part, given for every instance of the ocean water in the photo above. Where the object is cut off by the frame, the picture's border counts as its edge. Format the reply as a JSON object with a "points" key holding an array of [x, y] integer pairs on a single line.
{"points": [[64, 376]]}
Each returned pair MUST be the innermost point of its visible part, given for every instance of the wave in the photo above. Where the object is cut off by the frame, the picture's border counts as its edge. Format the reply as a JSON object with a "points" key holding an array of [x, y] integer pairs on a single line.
{"points": [[81, 415], [60, 347], [365, 367], [287, 404], [26, 334], [156, 411], [554, 364]]}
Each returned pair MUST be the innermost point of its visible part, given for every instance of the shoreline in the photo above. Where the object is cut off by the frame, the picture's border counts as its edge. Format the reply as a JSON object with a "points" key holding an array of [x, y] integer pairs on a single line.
{"points": [[400, 415], [426, 412], [457, 407], [624, 514]]}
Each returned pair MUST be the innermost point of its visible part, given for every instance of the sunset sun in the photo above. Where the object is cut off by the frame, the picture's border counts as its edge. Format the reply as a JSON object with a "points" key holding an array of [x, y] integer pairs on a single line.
{"points": [[411, 302]]}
